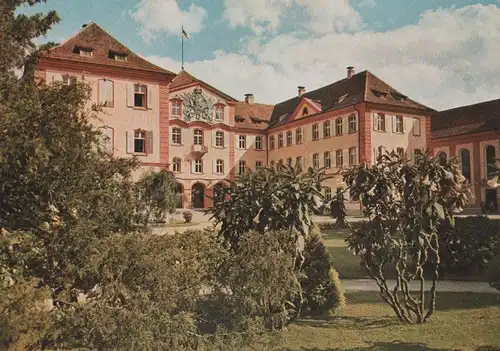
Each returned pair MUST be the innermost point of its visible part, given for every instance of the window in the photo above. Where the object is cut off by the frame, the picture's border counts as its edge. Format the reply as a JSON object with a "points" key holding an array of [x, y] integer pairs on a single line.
{"points": [[401, 152], [289, 162], [176, 164], [85, 52], [305, 111], [117, 56], [289, 138], [69, 80], [176, 136], [198, 166], [140, 141], [298, 163], [219, 138], [339, 126], [416, 154], [380, 151], [315, 132], [491, 161], [416, 126], [465, 164], [219, 166], [106, 94], [298, 136], [442, 158], [353, 124], [271, 142], [176, 108], [198, 137], [258, 142], [271, 164], [326, 129], [328, 194], [280, 140], [398, 124], [258, 164], [219, 112], [242, 165], [339, 158], [107, 139], [140, 92], [315, 160], [353, 156], [379, 122], [242, 142], [327, 160]]}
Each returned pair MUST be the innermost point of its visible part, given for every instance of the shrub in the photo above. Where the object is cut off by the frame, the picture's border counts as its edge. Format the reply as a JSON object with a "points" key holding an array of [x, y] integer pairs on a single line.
{"points": [[320, 282], [188, 216], [469, 245], [493, 273]]}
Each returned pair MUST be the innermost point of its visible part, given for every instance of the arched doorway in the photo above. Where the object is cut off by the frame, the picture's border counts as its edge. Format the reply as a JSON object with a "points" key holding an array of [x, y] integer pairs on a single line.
{"points": [[179, 191], [442, 158], [198, 195]]}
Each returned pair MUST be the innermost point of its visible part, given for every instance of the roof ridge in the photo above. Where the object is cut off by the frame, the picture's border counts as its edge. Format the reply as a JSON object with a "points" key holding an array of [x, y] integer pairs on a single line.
{"points": [[471, 105], [73, 36]]}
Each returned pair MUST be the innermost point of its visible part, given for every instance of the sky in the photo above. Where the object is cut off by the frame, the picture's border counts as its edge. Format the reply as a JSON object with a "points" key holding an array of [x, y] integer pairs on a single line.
{"points": [[440, 53]]}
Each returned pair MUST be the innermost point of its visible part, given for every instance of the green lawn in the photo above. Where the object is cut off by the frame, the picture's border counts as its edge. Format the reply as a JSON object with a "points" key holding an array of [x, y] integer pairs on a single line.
{"points": [[348, 265], [463, 321]]}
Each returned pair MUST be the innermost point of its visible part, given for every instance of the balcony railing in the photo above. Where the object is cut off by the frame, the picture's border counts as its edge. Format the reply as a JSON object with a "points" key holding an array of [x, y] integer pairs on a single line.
{"points": [[199, 149]]}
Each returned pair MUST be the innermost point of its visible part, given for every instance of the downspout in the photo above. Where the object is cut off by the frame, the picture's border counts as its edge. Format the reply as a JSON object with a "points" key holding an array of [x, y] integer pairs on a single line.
{"points": [[359, 151]]}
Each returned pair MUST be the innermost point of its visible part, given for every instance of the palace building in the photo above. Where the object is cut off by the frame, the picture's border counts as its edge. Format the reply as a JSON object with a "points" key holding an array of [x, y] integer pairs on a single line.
{"points": [[205, 136]]}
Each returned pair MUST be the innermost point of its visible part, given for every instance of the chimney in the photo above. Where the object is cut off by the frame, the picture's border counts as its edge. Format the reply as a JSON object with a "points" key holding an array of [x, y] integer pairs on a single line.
{"points": [[249, 98], [302, 90], [350, 72]]}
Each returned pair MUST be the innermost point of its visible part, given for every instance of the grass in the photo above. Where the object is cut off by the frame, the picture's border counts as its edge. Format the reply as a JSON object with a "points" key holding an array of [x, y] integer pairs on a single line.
{"points": [[348, 265], [463, 321]]}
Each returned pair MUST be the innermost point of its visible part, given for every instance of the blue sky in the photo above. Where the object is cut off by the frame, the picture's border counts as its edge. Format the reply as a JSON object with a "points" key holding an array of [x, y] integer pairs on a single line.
{"points": [[441, 53]]}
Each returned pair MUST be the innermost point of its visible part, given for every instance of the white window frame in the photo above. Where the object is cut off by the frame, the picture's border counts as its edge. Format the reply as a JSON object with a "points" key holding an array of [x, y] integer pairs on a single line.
{"points": [[219, 166], [339, 158], [315, 160], [327, 160], [289, 138], [141, 89], [339, 126], [398, 124], [198, 166], [353, 156], [140, 134], [219, 112], [258, 142], [219, 138], [242, 141], [176, 108], [353, 124], [417, 124], [327, 129], [380, 122], [242, 165], [176, 134], [315, 131], [177, 165], [198, 136], [298, 136]]}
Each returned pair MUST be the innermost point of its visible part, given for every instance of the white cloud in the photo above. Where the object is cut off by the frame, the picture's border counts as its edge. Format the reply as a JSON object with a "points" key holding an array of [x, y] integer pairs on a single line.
{"points": [[367, 3], [449, 58], [266, 16], [157, 16]]}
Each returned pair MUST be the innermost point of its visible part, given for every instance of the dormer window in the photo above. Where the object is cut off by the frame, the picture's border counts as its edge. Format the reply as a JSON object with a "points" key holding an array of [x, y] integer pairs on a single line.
{"points": [[380, 94], [117, 56], [85, 52], [340, 99], [399, 97], [305, 111]]}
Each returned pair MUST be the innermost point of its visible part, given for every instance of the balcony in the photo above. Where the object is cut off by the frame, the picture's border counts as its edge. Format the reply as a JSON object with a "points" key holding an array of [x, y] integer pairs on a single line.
{"points": [[199, 150]]}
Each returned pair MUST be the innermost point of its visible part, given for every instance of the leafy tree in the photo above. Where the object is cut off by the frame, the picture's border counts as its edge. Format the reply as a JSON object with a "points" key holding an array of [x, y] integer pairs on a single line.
{"points": [[337, 208], [157, 192], [405, 202]]}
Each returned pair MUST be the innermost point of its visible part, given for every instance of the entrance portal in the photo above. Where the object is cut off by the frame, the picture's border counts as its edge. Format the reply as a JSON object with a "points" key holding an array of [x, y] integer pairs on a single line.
{"points": [[198, 196]]}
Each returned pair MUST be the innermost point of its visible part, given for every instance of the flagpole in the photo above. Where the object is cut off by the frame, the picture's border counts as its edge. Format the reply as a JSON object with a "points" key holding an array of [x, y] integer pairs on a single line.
{"points": [[182, 36]]}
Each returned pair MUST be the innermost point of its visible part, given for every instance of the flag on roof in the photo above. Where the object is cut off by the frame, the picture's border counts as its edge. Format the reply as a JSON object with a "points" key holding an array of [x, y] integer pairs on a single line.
{"points": [[184, 33]]}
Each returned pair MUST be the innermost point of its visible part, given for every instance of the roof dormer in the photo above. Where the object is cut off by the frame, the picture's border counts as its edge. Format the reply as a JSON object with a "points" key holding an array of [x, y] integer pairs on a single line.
{"points": [[83, 51], [117, 56]]}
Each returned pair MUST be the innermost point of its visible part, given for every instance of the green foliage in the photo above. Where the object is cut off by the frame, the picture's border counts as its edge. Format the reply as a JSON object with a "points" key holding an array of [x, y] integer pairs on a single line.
{"points": [[157, 194], [268, 200], [493, 272], [337, 208], [320, 282], [188, 216], [469, 245], [405, 202]]}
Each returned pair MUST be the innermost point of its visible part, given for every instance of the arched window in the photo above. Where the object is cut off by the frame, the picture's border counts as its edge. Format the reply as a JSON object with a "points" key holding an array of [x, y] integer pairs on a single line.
{"points": [[442, 158], [465, 163], [305, 111], [491, 161]]}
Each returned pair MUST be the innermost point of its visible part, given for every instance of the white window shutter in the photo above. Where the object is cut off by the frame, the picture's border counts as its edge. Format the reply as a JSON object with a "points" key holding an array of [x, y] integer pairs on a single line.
{"points": [[214, 133], [333, 127], [405, 121], [150, 142], [345, 125], [226, 139], [150, 96], [57, 77], [183, 135], [236, 141], [214, 166], [345, 154], [192, 167], [102, 94], [387, 121], [375, 124], [130, 142], [393, 118], [130, 94], [110, 141]]}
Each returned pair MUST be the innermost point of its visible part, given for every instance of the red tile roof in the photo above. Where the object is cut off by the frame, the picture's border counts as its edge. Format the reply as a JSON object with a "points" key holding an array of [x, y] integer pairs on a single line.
{"points": [[361, 87], [254, 116], [94, 37], [185, 79], [474, 118]]}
